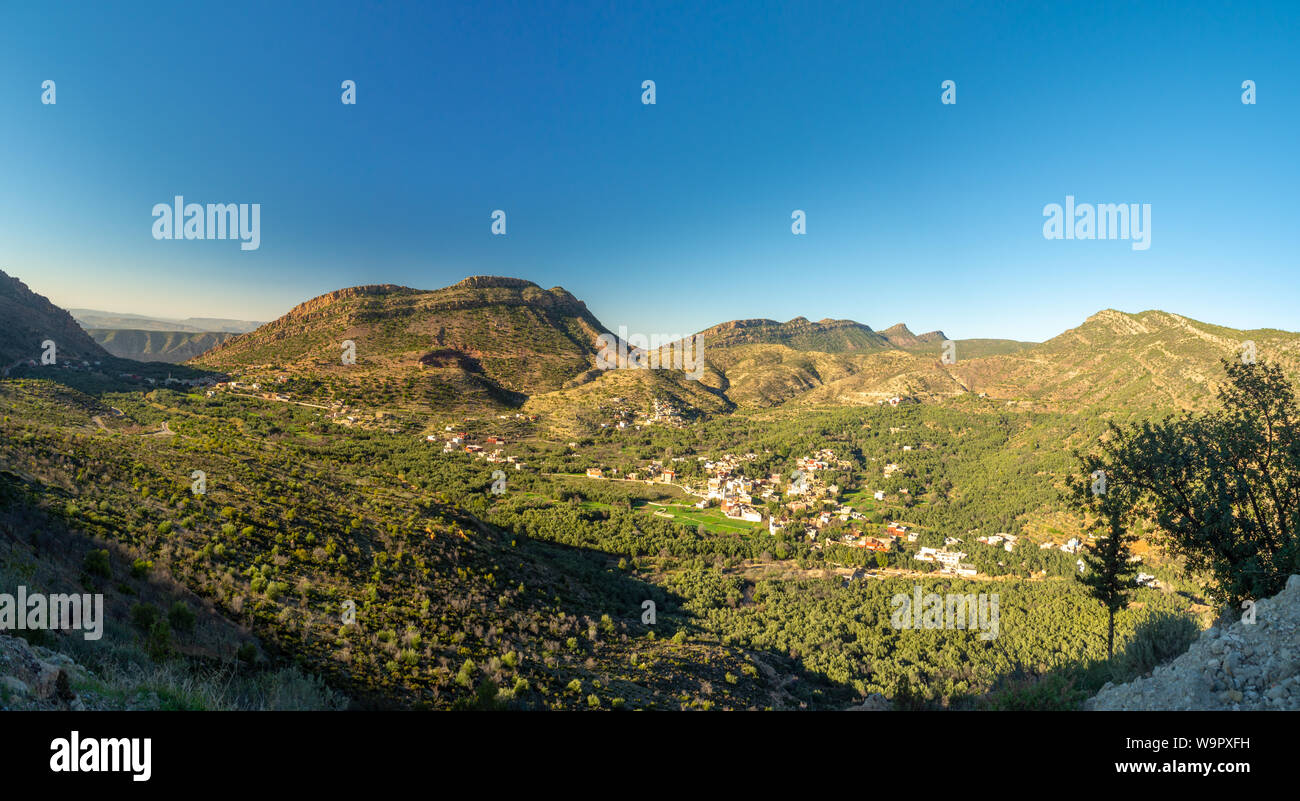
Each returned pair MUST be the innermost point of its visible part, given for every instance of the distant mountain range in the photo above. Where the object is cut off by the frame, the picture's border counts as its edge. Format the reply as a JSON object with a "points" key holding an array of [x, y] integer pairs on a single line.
{"points": [[158, 339], [157, 346], [498, 343], [102, 320]]}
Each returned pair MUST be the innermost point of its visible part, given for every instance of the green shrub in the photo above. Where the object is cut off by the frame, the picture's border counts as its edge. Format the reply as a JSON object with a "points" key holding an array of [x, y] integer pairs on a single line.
{"points": [[1051, 693], [144, 616], [97, 564], [181, 617], [1160, 637]]}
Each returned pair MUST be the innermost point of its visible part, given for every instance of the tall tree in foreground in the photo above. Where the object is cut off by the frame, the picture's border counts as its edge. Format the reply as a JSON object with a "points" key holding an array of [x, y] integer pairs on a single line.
{"points": [[1222, 487], [1107, 573]]}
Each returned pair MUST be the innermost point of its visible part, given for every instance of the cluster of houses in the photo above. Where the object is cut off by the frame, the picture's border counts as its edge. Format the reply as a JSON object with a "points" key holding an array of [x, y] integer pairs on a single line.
{"points": [[736, 495], [64, 364], [204, 381], [337, 409], [461, 442], [620, 414], [1146, 580], [739, 497], [666, 412], [1071, 546], [949, 561], [1007, 541], [810, 489], [882, 543], [653, 473]]}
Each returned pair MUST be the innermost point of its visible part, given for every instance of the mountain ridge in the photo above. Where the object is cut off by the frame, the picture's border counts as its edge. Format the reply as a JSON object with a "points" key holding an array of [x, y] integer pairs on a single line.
{"points": [[500, 340], [31, 319]]}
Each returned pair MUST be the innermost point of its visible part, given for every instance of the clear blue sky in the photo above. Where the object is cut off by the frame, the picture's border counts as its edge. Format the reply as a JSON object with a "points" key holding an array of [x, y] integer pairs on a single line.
{"points": [[672, 217]]}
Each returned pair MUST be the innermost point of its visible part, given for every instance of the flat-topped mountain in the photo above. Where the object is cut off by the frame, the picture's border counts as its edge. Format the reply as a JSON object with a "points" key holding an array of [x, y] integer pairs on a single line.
{"points": [[824, 336], [503, 336]]}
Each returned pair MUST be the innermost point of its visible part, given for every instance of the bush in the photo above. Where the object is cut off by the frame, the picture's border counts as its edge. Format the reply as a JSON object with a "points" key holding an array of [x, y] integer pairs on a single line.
{"points": [[144, 616], [1159, 638], [181, 617], [1053, 692], [158, 642], [97, 564]]}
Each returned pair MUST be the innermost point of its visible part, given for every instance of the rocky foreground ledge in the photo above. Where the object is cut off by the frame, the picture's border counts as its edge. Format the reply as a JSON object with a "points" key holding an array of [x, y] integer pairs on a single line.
{"points": [[32, 677], [1238, 666]]}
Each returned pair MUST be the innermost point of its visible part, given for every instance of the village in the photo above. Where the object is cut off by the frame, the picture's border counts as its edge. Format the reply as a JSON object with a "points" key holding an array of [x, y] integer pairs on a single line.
{"points": [[807, 504]]}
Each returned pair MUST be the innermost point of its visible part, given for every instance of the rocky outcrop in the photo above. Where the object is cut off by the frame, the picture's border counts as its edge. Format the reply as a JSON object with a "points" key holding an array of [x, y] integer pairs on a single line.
{"points": [[32, 677], [320, 301], [493, 281], [901, 336], [1243, 665]]}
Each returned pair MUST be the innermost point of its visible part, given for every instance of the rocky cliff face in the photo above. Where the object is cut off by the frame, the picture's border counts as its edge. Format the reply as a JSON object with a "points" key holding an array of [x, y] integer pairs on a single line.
{"points": [[1238, 666]]}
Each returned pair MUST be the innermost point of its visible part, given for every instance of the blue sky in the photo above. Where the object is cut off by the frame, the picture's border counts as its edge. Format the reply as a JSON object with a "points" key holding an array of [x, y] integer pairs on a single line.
{"points": [[674, 216]]}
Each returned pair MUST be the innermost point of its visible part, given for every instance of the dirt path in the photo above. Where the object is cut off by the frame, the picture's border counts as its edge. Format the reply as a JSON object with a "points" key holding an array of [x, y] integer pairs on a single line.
{"points": [[166, 430]]}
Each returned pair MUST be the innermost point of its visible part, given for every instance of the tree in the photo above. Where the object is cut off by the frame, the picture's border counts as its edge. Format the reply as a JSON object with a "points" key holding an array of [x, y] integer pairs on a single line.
{"points": [[1223, 487], [1108, 574]]}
